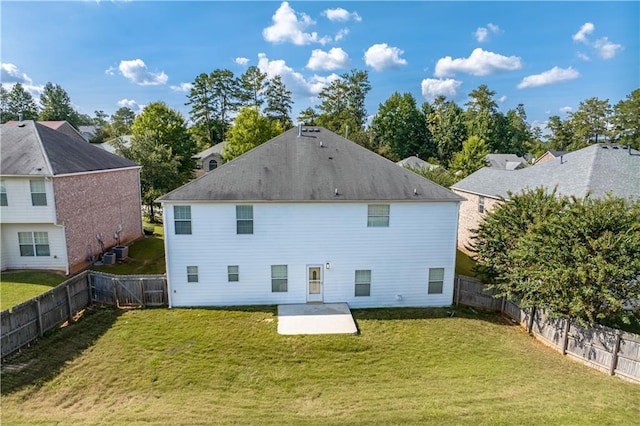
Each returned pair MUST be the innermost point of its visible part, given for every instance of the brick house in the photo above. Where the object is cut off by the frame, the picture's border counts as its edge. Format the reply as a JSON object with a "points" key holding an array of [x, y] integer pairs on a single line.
{"points": [[598, 169], [59, 193]]}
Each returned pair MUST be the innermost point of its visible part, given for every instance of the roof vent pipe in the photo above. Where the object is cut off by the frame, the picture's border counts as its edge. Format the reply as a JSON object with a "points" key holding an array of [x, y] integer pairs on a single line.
{"points": [[20, 120], [299, 130]]}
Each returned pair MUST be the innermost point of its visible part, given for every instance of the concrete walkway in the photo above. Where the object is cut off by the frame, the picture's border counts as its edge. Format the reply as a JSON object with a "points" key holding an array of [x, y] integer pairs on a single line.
{"points": [[320, 318]]}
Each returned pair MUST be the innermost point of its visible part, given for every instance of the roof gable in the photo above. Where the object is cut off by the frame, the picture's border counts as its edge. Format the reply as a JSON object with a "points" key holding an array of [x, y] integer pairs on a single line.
{"points": [[310, 164], [37, 149]]}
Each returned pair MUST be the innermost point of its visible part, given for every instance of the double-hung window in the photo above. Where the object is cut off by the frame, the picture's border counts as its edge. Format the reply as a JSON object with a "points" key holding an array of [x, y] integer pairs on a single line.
{"points": [[182, 218], [233, 273], [378, 215], [363, 282], [480, 204], [278, 278], [244, 219], [436, 280], [192, 274], [34, 243], [3, 194], [38, 193]]}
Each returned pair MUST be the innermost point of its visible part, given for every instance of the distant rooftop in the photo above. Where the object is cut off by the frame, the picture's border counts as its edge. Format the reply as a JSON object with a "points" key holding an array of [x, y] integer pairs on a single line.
{"points": [[598, 169]]}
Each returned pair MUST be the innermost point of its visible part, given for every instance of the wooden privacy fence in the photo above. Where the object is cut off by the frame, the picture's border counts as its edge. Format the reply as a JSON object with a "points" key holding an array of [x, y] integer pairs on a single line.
{"points": [[607, 349], [30, 320]]}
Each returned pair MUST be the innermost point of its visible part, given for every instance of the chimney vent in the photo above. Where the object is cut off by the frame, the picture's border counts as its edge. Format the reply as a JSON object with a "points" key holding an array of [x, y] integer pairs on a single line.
{"points": [[20, 120], [299, 130]]}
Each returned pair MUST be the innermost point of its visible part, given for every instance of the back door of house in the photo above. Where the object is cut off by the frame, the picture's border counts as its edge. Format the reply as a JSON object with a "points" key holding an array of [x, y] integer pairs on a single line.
{"points": [[314, 283]]}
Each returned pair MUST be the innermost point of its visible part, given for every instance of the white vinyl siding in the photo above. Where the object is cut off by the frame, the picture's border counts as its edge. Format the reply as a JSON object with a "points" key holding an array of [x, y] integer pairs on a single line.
{"points": [[279, 279], [10, 253], [422, 236], [38, 193], [436, 280], [363, 283], [244, 219], [20, 209], [378, 215], [182, 216]]}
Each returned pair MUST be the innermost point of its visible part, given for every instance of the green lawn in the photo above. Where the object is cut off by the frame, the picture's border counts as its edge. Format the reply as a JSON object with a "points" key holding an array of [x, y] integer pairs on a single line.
{"points": [[205, 366], [18, 287]]}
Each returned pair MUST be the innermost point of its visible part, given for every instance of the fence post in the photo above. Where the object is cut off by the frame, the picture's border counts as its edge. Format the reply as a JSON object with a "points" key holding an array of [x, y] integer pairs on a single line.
{"points": [[115, 291], [504, 303], [69, 303], [40, 328], [533, 315], [614, 355], [458, 290], [565, 342]]}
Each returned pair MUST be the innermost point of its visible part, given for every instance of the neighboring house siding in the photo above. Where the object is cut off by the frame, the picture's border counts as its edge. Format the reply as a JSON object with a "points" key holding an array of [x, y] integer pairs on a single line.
{"points": [[420, 236], [546, 157], [470, 217], [11, 258], [20, 208], [96, 203]]}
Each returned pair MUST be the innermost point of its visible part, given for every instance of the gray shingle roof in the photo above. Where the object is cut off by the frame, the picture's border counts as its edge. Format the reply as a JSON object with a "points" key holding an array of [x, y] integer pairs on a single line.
{"points": [[505, 161], [417, 163], [599, 169], [36, 149], [310, 167], [215, 149]]}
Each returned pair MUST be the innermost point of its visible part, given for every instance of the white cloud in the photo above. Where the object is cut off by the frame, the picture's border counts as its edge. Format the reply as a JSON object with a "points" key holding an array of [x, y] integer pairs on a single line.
{"points": [[110, 71], [129, 103], [294, 80], [382, 57], [341, 34], [552, 76], [482, 33], [341, 15], [432, 87], [566, 110], [241, 61], [583, 56], [10, 74], [586, 29], [605, 48], [136, 71], [289, 26], [333, 59], [183, 87], [502, 99], [479, 63]]}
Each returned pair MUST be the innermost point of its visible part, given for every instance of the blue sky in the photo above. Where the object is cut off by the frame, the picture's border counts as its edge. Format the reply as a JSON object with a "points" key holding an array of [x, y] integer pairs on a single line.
{"points": [[548, 56]]}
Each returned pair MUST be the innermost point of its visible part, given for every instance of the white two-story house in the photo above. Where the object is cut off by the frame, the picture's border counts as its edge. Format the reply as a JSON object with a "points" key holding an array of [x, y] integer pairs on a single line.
{"points": [[310, 217], [61, 199]]}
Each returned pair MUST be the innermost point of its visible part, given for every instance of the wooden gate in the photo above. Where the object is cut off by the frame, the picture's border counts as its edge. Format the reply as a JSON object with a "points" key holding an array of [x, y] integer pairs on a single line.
{"points": [[129, 290]]}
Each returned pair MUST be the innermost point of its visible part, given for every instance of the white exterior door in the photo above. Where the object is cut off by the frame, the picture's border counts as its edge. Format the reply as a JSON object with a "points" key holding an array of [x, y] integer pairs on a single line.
{"points": [[314, 283]]}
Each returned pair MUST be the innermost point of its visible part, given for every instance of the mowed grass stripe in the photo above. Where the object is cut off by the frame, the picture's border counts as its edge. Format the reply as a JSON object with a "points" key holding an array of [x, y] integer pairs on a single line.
{"points": [[206, 366]]}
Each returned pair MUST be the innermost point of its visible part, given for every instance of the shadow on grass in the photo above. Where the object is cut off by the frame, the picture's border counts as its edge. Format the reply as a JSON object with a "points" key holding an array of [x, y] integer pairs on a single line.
{"points": [[46, 357], [267, 309], [38, 277], [387, 314]]}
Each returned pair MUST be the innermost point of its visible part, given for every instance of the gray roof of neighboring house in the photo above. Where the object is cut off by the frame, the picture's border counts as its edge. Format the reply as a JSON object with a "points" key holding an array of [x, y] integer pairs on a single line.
{"points": [[598, 169], [36, 149], [505, 161], [310, 167], [215, 149], [417, 163]]}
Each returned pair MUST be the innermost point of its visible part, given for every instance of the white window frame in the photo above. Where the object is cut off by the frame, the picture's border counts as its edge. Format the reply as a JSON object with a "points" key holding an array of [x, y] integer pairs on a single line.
{"points": [[243, 220], [233, 273], [38, 192], [36, 241], [3, 194], [378, 215], [364, 281], [436, 282], [279, 280], [182, 219], [192, 274], [481, 204]]}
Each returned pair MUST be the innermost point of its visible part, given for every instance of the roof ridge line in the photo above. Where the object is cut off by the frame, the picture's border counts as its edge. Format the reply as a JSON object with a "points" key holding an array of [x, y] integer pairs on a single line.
{"points": [[36, 130]]}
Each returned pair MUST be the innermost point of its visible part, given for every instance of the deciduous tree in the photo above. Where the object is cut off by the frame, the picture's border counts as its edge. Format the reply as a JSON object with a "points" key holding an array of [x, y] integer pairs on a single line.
{"points": [[471, 158], [626, 120], [446, 122], [249, 130]]}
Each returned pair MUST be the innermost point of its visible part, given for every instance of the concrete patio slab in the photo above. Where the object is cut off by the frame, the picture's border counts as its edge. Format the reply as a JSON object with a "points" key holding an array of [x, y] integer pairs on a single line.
{"points": [[312, 318]]}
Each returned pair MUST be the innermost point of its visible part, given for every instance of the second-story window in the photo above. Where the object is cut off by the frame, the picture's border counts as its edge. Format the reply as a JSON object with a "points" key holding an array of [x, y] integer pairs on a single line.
{"points": [[481, 204], [38, 193], [182, 218], [244, 218], [3, 194], [378, 215]]}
